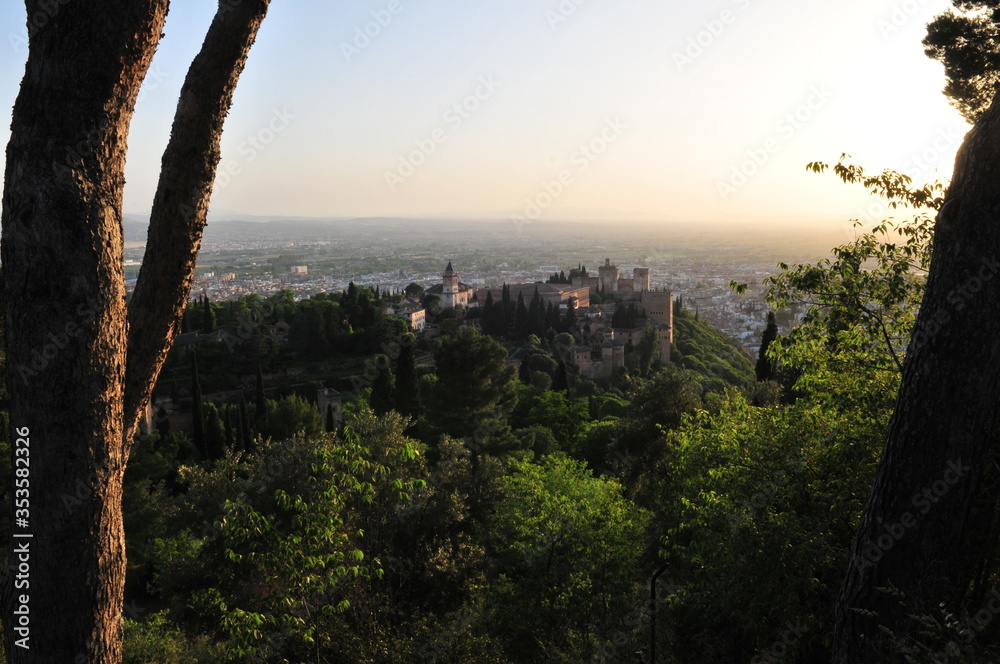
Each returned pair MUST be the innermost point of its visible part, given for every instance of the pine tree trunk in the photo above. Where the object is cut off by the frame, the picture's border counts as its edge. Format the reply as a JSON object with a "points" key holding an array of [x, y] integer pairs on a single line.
{"points": [[80, 368], [62, 254], [914, 531]]}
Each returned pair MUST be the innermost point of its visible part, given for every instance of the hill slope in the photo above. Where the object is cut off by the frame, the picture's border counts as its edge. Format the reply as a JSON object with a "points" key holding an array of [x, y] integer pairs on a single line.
{"points": [[715, 356]]}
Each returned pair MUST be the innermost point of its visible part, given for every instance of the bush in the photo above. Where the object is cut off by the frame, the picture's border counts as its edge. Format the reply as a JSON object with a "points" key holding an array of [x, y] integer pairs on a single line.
{"points": [[158, 641]]}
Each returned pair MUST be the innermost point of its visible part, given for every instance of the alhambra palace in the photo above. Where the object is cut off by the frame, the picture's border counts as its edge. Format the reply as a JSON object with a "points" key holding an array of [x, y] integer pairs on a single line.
{"points": [[601, 348]]}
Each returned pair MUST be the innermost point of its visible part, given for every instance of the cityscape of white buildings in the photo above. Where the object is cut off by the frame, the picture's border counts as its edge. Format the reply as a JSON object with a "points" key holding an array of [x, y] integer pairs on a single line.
{"points": [[702, 285]]}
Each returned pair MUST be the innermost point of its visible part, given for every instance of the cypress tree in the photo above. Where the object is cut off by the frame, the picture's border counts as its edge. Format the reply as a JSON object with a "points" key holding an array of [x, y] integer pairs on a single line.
{"points": [[524, 371], [230, 429], [208, 316], [162, 421], [570, 320], [215, 435], [538, 321], [763, 369], [239, 435], [560, 382], [382, 389], [246, 428], [618, 319], [367, 310], [260, 404], [509, 311], [487, 321], [197, 414], [331, 423], [522, 322], [534, 315], [407, 401]]}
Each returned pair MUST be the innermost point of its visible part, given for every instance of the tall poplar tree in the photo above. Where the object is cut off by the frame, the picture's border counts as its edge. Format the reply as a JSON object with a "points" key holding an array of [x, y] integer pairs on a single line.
{"points": [[197, 409], [407, 398], [763, 368]]}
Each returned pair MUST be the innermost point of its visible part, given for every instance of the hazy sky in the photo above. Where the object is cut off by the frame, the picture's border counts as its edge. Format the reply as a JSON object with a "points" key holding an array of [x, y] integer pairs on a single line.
{"points": [[618, 109]]}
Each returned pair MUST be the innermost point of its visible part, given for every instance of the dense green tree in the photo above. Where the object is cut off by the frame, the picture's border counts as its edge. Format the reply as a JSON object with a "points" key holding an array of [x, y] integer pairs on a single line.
{"points": [[569, 546], [215, 433], [524, 371], [309, 332], [291, 415], [868, 293], [474, 382], [659, 404], [290, 528], [967, 43], [565, 417], [367, 311], [758, 507], [414, 290], [282, 305], [432, 303], [717, 360]]}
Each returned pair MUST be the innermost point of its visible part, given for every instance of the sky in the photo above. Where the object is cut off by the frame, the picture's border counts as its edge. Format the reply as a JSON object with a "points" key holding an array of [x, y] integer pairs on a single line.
{"points": [[534, 110]]}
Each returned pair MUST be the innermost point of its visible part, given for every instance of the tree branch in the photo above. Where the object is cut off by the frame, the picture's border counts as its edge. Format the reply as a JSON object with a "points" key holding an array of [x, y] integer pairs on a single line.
{"points": [[180, 206]]}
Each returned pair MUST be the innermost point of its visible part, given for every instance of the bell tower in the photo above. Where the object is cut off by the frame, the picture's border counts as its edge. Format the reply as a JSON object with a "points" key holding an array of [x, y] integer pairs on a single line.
{"points": [[449, 287]]}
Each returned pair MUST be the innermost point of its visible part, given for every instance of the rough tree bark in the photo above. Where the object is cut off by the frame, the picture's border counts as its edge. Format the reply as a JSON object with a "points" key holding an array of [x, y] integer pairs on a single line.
{"points": [[916, 526], [81, 367]]}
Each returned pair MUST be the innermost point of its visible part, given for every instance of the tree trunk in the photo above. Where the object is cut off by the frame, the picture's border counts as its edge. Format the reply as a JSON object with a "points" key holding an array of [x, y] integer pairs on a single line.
{"points": [[62, 254], [915, 529], [78, 377]]}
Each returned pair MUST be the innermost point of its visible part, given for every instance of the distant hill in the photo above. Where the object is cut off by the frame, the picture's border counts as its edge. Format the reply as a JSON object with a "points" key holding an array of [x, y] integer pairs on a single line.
{"points": [[715, 356]]}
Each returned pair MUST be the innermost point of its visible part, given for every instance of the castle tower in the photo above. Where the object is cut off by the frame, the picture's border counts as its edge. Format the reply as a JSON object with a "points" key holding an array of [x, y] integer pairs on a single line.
{"points": [[666, 337], [608, 275], [449, 287], [659, 306], [617, 357], [640, 279]]}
